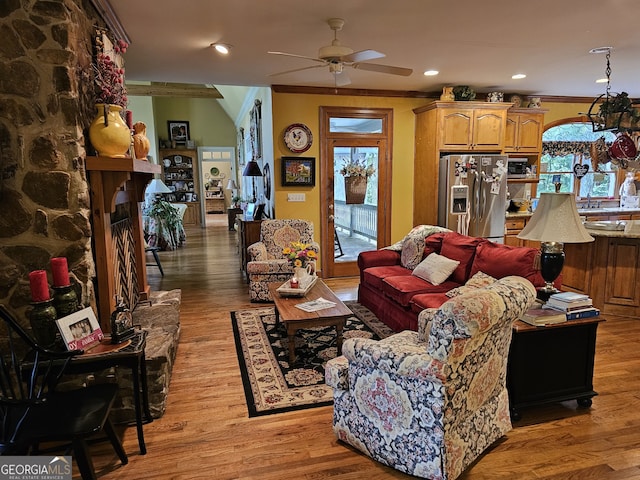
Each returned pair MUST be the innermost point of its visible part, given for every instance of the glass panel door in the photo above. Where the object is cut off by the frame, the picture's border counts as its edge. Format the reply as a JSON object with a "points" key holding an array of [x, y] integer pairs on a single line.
{"points": [[355, 201]]}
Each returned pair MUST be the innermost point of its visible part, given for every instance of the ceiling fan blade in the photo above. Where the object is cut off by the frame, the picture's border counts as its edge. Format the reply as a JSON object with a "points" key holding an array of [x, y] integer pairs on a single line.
{"points": [[342, 79], [374, 67], [297, 56], [362, 56], [294, 70]]}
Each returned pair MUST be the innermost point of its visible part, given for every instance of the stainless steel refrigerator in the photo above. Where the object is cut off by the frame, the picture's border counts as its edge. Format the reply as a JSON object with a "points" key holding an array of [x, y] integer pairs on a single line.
{"points": [[473, 195]]}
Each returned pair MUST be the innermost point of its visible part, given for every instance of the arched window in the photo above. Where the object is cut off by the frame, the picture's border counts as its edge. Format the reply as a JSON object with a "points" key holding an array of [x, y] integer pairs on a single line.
{"points": [[567, 144]]}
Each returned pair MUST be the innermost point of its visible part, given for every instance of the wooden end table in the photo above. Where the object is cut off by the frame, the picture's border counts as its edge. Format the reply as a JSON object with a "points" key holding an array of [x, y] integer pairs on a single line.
{"points": [[551, 364], [294, 319]]}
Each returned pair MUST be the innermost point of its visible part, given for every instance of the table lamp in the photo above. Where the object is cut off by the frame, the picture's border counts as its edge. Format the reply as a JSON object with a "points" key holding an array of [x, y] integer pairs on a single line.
{"points": [[252, 170], [554, 223], [157, 186]]}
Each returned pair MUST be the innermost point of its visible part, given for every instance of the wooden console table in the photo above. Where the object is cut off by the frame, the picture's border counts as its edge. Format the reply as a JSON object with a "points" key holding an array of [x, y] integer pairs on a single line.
{"points": [[551, 364]]}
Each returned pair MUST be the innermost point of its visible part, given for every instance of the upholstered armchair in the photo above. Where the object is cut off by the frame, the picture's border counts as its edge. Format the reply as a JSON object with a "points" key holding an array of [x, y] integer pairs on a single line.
{"points": [[428, 403], [266, 262]]}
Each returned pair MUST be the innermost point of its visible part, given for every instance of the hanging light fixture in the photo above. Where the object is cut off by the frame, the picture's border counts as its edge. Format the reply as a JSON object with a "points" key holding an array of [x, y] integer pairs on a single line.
{"points": [[613, 111]]}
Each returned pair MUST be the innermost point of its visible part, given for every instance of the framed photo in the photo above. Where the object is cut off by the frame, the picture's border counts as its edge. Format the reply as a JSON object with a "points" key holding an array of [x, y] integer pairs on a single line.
{"points": [[259, 211], [250, 211], [298, 171], [80, 330], [178, 131]]}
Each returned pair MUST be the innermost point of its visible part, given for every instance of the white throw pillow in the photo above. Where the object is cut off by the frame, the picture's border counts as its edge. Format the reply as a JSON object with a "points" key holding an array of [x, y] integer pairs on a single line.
{"points": [[435, 269], [479, 280]]}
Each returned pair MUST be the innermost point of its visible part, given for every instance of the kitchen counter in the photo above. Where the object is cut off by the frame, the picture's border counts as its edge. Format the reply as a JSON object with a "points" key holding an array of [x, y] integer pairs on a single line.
{"points": [[606, 228]]}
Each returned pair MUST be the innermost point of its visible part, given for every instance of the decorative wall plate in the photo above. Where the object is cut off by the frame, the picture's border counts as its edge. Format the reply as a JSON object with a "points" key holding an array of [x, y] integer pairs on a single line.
{"points": [[298, 137]]}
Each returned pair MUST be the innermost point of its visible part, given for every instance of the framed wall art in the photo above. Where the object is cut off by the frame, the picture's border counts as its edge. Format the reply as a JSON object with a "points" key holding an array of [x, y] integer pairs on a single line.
{"points": [[298, 171], [178, 131]]}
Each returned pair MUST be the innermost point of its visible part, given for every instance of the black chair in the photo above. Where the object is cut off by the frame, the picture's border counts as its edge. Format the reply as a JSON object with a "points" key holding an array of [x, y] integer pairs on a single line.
{"points": [[33, 412]]}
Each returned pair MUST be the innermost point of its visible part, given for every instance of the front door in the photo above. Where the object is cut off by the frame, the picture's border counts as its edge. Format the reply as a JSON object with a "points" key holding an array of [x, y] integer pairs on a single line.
{"points": [[355, 186]]}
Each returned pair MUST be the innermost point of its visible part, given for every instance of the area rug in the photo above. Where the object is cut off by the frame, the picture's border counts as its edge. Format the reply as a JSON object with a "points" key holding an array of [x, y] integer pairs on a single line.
{"points": [[271, 385]]}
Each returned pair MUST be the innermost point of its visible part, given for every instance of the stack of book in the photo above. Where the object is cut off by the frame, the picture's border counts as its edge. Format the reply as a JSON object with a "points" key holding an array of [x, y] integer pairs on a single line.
{"points": [[574, 305], [559, 308]]}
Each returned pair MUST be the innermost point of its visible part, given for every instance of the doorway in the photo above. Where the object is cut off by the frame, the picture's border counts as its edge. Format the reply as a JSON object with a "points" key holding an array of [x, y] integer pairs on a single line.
{"points": [[216, 168], [355, 195]]}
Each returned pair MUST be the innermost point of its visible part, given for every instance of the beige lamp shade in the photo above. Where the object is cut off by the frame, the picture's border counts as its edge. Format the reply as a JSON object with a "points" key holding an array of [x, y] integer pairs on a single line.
{"points": [[157, 186], [556, 219], [231, 185]]}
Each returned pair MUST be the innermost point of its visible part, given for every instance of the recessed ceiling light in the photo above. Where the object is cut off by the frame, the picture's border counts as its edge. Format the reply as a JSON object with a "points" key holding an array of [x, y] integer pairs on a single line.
{"points": [[518, 76], [431, 73], [221, 48]]}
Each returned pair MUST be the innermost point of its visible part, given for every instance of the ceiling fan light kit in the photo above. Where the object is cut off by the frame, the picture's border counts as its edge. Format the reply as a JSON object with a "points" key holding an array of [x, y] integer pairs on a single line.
{"points": [[338, 56]]}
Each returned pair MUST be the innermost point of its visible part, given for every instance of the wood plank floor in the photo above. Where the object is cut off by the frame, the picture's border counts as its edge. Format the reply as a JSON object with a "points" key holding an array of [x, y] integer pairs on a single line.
{"points": [[206, 434]]}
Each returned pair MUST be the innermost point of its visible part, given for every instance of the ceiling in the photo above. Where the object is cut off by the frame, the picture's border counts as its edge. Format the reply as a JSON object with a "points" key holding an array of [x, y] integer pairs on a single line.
{"points": [[471, 42]]}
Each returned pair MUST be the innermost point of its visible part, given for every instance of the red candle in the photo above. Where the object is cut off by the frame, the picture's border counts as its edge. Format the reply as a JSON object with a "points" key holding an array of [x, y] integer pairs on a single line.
{"points": [[60, 272], [39, 286]]}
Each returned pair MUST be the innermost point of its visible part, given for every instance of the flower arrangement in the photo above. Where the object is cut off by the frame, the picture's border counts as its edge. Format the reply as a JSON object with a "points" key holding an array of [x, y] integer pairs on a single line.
{"points": [[299, 254], [108, 75], [357, 168]]}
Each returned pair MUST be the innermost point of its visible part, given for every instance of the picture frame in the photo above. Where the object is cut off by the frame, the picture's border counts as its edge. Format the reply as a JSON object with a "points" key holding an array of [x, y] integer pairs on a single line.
{"points": [[80, 330], [298, 171], [259, 211], [178, 131], [250, 211]]}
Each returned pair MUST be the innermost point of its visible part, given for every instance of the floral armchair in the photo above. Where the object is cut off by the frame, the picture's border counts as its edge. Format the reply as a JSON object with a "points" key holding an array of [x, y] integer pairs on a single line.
{"points": [[266, 261], [428, 403]]}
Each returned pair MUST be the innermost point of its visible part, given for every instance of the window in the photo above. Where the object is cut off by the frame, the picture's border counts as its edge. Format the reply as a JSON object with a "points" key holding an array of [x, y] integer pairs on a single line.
{"points": [[566, 146]]}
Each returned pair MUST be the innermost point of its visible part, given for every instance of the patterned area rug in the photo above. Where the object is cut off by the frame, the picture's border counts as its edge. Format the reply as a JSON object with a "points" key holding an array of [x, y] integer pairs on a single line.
{"points": [[271, 385]]}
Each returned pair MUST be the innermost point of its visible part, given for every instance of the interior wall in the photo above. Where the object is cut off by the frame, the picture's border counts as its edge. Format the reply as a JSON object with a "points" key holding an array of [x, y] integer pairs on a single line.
{"points": [[302, 108], [142, 108], [209, 124]]}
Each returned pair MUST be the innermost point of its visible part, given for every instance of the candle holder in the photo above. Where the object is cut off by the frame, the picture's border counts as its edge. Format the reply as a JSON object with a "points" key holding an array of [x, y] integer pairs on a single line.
{"points": [[65, 301], [43, 323]]}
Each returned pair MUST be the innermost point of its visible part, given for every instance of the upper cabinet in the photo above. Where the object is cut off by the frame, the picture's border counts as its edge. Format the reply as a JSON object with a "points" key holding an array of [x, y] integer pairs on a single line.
{"points": [[523, 132], [471, 128]]}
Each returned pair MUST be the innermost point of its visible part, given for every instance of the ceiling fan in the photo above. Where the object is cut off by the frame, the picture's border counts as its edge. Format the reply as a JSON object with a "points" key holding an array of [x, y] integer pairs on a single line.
{"points": [[338, 56]]}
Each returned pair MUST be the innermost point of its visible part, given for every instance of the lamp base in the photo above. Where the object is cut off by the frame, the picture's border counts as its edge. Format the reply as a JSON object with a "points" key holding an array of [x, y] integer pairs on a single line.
{"points": [[551, 263], [545, 292]]}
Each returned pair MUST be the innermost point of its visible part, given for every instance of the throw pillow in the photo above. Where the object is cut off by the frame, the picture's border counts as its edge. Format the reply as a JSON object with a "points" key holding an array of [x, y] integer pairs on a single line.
{"points": [[479, 280], [435, 269], [463, 248], [413, 245]]}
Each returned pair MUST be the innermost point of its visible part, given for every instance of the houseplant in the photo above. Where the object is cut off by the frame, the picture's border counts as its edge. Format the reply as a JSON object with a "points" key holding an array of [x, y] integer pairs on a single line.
{"points": [[356, 172]]}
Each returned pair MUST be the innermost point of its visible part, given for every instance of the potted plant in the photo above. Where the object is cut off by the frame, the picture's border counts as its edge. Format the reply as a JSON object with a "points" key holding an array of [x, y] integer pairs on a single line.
{"points": [[356, 172]]}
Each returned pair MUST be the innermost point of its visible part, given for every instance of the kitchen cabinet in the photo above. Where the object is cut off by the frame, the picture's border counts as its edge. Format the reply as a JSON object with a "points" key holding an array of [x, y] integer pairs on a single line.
{"points": [[180, 174], [608, 270], [523, 131], [450, 127], [513, 225]]}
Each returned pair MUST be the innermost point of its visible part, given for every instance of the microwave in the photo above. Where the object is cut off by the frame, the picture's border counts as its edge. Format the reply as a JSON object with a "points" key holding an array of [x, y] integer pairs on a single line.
{"points": [[517, 167]]}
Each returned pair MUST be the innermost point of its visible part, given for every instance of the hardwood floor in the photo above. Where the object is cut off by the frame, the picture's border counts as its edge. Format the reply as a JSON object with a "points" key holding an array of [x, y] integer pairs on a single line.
{"points": [[205, 432]]}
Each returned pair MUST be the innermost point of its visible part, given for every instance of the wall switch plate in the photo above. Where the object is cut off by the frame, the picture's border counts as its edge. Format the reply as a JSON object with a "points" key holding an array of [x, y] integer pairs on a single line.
{"points": [[296, 197]]}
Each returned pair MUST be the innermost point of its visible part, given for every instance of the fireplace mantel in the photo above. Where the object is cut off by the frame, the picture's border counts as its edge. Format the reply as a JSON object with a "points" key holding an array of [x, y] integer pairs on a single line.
{"points": [[116, 181]]}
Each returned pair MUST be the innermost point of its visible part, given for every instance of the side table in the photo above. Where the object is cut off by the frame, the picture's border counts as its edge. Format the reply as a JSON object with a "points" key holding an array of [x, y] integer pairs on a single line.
{"points": [[131, 356], [551, 364]]}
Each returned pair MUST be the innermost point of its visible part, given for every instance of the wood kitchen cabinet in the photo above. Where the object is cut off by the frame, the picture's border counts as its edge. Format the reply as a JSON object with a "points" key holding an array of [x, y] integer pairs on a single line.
{"points": [[523, 131], [451, 127]]}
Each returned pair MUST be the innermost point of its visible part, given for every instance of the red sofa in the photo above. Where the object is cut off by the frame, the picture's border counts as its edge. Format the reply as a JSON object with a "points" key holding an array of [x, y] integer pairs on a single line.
{"points": [[396, 296]]}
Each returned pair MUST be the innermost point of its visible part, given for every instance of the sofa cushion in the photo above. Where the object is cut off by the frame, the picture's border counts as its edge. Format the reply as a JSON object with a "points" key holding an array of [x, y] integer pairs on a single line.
{"points": [[463, 249], [479, 280], [427, 300], [500, 261], [402, 288], [433, 243], [435, 269], [374, 276]]}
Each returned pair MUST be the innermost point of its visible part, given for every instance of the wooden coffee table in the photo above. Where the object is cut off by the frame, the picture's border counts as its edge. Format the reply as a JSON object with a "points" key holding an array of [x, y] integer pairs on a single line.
{"points": [[295, 319]]}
